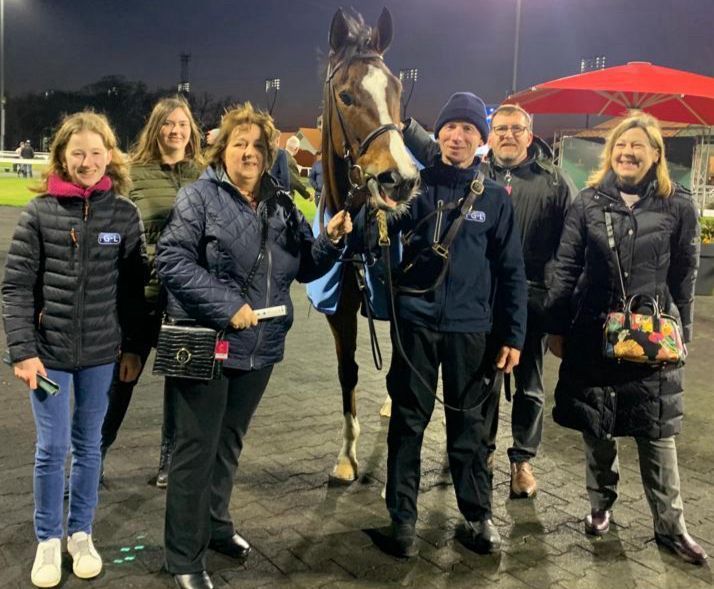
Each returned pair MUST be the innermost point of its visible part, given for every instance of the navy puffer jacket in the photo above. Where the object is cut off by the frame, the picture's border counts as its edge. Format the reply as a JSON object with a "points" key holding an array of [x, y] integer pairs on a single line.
{"points": [[208, 248], [73, 293], [658, 244]]}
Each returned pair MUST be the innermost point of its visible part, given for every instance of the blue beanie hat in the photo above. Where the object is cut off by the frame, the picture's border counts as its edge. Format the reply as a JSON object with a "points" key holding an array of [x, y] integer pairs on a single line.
{"points": [[463, 106]]}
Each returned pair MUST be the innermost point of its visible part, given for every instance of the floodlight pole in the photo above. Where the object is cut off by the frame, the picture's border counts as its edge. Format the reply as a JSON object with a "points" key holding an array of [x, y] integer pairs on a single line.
{"points": [[2, 75], [516, 43]]}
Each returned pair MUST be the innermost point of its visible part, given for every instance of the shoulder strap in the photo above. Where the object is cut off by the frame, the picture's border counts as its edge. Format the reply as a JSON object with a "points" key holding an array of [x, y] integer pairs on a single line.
{"points": [[613, 247], [475, 191], [251, 275]]}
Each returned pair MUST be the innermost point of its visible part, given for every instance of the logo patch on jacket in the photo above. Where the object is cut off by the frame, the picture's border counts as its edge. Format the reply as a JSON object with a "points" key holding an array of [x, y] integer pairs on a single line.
{"points": [[109, 239], [478, 216]]}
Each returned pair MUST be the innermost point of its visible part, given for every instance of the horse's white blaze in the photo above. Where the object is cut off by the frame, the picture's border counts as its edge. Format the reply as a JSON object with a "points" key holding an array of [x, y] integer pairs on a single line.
{"points": [[375, 83]]}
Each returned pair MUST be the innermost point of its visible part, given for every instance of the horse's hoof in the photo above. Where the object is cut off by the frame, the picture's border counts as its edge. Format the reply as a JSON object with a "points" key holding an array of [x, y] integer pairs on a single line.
{"points": [[344, 473], [386, 410]]}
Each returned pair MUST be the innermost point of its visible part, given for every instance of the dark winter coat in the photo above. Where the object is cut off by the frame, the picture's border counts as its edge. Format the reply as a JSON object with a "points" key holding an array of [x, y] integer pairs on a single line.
{"points": [[154, 188], [485, 251], [540, 192], [73, 293], [208, 248], [658, 244]]}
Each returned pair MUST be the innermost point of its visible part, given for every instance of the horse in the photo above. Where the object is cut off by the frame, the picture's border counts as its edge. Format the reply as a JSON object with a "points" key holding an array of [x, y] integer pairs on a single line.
{"points": [[364, 161]]}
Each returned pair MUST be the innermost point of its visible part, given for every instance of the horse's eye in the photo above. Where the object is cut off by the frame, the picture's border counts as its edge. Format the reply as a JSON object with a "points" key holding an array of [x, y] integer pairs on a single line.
{"points": [[346, 99]]}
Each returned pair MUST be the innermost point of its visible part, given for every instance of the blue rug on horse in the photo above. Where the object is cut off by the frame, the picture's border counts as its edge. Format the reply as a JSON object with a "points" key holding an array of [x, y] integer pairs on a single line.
{"points": [[324, 293]]}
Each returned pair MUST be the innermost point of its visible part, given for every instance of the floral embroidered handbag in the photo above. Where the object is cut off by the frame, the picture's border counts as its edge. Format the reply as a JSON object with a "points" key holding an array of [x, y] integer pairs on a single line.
{"points": [[643, 337], [640, 337]]}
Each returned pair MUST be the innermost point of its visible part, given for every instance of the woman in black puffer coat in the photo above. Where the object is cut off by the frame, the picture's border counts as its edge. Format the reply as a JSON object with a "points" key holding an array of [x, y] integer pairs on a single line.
{"points": [[656, 232]]}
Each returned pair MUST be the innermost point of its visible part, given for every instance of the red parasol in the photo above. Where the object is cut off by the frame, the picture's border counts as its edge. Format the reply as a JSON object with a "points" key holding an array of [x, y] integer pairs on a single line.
{"points": [[668, 94]]}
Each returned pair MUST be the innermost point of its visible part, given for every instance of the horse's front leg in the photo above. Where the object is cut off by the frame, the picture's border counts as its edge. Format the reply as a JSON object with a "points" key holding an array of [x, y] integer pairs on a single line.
{"points": [[343, 324]]}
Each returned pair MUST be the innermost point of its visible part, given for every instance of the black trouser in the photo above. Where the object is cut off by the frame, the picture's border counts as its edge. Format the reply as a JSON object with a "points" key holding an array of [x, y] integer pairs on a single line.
{"points": [[119, 399], [212, 418], [528, 399], [467, 432], [120, 396]]}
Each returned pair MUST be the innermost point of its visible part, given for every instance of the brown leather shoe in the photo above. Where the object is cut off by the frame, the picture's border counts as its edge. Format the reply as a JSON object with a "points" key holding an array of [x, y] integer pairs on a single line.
{"points": [[597, 523], [523, 483], [684, 546]]}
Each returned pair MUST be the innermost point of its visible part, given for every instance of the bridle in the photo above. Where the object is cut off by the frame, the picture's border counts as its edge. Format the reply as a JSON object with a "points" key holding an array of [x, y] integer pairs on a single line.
{"points": [[359, 180]]}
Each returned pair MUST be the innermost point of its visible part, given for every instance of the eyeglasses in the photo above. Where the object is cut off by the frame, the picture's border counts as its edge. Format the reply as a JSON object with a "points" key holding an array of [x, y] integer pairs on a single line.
{"points": [[516, 130]]}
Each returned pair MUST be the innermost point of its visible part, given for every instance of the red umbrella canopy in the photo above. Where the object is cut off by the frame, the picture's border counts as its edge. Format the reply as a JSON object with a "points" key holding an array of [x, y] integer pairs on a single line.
{"points": [[668, 94]]}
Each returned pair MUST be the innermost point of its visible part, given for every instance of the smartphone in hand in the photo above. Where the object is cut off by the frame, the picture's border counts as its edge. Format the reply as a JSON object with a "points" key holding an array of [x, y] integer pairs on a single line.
{"points": [[43, 383]]}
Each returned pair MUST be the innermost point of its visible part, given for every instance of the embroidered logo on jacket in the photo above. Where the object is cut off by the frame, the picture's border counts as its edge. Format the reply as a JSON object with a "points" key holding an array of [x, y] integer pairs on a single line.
{"points": [[478, 216], [109, 239]]}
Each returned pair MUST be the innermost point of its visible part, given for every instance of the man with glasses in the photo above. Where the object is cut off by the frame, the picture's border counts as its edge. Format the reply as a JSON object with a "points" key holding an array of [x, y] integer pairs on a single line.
{"points": [[540, 193]]}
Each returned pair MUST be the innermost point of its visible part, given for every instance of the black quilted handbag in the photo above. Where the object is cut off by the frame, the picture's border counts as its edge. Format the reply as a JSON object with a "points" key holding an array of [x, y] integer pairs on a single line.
{"points": [[187, 351]]}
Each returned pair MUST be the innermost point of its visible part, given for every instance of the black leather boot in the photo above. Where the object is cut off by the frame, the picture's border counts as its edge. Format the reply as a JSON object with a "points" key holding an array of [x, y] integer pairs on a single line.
{"points": [[194, 581]]}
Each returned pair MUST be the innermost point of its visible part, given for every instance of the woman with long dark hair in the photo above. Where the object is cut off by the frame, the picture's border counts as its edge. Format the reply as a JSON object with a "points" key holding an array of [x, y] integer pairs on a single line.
{"points": [[166, 157]]}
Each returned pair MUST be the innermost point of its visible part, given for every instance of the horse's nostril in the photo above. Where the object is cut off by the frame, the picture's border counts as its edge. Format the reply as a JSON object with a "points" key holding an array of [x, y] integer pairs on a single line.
{"points": [[390, 178]]}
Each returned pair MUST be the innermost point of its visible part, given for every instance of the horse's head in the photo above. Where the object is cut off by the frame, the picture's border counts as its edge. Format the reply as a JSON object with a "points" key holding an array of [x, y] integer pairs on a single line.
{"points": [[362, 142]]}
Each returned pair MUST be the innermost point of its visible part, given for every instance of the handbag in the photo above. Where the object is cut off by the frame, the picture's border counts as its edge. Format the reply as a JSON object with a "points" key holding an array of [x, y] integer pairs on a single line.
{"points": [[641, 337], [188, 350]]}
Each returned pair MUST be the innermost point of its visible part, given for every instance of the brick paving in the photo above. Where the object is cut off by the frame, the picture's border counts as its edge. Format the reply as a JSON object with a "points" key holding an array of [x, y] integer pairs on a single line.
{"points": [[307, 533]]}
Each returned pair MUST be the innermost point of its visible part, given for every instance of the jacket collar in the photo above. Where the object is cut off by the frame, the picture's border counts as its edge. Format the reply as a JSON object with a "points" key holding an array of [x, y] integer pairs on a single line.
{"points": [[539, 154], [217, 175], [441, 173], [57, 186], [610, 188]]}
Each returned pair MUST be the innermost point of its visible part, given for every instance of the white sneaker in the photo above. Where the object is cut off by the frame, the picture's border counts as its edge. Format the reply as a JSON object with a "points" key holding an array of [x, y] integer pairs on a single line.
{"points": [[86, 560], [47, 568]]}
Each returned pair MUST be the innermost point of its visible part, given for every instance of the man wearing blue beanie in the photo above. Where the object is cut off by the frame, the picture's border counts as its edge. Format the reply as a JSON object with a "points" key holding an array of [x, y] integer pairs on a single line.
{"points": [[459, 242]]}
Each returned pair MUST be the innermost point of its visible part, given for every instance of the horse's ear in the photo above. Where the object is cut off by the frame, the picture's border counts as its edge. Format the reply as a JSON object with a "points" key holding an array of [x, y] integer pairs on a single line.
{"points": [[339, 31], [382, 34]]}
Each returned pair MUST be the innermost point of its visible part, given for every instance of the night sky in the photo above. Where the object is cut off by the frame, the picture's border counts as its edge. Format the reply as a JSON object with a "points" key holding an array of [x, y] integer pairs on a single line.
{"points": [[235, 45]]}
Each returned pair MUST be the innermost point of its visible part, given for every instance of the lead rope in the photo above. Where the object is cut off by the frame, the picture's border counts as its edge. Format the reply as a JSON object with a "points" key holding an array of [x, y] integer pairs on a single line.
{"points": [[384, 244]]}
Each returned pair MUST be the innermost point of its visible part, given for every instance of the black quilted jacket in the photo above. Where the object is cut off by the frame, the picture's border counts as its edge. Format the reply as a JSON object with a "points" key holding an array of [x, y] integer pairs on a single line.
{"points": [[658, 244], [208, 248], [73, 292]]}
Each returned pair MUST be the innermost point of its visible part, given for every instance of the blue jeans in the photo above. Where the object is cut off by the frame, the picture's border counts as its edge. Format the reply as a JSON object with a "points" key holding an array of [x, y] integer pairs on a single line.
{"points": [[55, 431]]}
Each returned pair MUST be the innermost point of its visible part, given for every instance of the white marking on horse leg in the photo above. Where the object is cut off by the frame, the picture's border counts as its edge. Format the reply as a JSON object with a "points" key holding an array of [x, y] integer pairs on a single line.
{"points": [[347, 467], [375, 83], [386, 410]]}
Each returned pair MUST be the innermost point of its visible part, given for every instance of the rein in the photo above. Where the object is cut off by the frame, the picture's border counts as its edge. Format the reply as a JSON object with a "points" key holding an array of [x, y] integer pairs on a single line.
{"points": [[358, 180], [441, 249]]}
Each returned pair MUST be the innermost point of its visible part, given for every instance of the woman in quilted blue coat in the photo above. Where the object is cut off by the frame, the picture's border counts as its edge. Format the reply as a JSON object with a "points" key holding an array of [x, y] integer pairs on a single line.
{"points": [[233, 231]]}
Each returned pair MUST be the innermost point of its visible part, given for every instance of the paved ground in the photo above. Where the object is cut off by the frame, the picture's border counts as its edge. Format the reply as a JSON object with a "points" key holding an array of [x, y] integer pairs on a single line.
{"points": [[309, 534]]}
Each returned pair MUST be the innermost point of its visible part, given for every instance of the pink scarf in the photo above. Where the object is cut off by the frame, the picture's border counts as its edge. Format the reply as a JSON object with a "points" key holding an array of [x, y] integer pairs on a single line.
{"points": [[56, 186]]}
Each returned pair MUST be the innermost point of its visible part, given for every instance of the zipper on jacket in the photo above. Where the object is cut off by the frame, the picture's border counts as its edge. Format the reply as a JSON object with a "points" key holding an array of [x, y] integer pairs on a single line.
{"points": [[507, 180], [75, 246], [266, 304], [79, 304]]}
